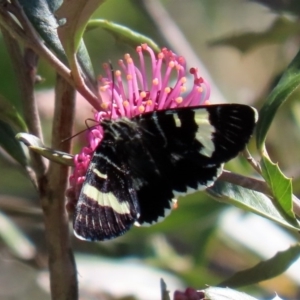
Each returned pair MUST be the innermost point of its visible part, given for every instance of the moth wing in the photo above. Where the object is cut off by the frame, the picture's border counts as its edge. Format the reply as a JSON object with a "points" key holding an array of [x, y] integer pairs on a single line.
{"points": [[107, 205], [143, 163], [186, 147]]}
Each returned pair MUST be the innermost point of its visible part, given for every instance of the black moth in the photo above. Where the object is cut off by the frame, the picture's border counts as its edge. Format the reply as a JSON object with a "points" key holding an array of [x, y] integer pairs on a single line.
{"points": [[143, 163]]}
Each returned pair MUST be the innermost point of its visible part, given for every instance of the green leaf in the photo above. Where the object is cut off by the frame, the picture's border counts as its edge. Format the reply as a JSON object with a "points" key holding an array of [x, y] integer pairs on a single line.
{"points": [[41, 15], [280, 31], [76, 14], [10, 115], [15, 239], [249, 200], [10, 144], [291, 6], [217, 293], [288, 83], [122, 33], [36, 145], [280, 186], [266, 269]]}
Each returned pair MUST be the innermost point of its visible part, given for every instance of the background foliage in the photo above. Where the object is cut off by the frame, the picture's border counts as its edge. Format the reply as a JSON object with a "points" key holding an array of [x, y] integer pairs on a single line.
{"points": [[248, 51]]}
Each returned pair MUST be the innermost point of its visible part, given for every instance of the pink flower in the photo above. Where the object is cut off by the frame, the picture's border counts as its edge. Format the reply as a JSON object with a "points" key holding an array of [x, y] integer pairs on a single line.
{"points": [[133, 93], [189, 294]]}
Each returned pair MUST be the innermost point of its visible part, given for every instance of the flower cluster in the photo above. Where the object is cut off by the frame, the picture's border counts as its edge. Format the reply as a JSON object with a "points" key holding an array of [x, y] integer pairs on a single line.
{"points": [[129, 91]]}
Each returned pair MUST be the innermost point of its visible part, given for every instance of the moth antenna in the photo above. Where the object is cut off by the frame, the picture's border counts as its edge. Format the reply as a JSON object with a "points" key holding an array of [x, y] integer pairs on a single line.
{"points": [[111, 111], [80, 132], [87, 125]]}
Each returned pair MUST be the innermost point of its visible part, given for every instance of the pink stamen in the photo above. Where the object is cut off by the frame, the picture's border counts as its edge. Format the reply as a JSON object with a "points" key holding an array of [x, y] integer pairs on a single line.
{"points": [[136, 95], [176, 90], [157, 70], [152, 55], [139, 50]]}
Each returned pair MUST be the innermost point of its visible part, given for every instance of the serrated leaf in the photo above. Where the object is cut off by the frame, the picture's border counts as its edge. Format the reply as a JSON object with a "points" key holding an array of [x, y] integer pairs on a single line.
{"points": [[122, 33], [249, 200], [41, 15], [10, 115], [217, 293], [36, 145], [10, 144], [76, 13], [280, 31], [280, 185], [288, 83], [266, 269]]}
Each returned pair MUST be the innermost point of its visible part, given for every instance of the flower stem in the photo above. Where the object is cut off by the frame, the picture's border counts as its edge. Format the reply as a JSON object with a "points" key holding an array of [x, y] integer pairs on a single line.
{"points": [[63, 279]]}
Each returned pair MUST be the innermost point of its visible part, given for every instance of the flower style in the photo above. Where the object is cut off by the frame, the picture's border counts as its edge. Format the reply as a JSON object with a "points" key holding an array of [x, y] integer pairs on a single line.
{"points": [[135, 94]]}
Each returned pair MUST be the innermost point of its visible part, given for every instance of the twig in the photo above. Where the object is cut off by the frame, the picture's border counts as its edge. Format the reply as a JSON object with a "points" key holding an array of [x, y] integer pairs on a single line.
{"points": [[246, 182], [63, 277], [53, 185], [255, 165], [29, 38]]}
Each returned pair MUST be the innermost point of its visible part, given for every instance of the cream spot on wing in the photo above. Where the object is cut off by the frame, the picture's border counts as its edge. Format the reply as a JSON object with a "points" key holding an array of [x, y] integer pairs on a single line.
{"points": [[106, 199], [177, 121], [205, 133], [99, 174]]}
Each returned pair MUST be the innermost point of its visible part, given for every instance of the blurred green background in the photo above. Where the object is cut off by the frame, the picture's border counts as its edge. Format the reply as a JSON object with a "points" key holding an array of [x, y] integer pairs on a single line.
{"points": [[202, 242]]}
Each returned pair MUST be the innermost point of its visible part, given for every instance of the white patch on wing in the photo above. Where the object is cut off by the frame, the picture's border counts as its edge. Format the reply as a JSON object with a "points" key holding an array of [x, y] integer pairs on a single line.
{"points": [[80, 237], [106, 199], [200, 187], [167, 212], [177, 120], [205, 133], [99, 174]]}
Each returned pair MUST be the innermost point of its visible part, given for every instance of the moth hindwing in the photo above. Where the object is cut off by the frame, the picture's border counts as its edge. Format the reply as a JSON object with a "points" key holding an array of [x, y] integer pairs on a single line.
{"points": [[143, 163]]}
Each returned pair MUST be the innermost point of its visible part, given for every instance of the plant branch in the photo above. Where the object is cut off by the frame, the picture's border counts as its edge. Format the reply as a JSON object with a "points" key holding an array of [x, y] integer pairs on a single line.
{"points": [[29, 38], [257, 185], [255, 165], [63, 279]]}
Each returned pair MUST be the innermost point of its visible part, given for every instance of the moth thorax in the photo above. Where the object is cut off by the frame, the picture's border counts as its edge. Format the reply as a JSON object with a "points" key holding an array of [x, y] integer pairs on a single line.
{"points": [[120, 129]]}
